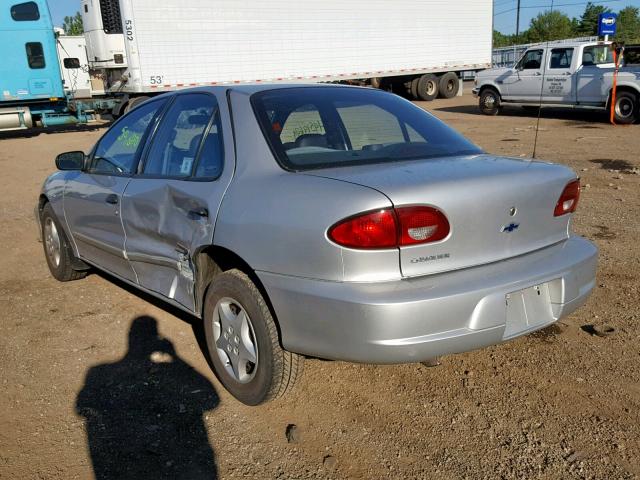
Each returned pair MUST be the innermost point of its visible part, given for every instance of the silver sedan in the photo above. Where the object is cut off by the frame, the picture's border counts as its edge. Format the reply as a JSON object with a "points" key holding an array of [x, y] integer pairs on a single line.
{"points": [[328, 221]]}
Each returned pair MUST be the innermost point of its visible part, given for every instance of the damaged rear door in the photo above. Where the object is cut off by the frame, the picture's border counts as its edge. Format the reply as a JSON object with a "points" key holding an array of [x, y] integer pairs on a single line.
{"points": [[169, 209]]}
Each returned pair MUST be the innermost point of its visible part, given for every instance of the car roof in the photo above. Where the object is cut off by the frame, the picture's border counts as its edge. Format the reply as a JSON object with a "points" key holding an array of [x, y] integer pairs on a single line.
{"points": [[250, 89]]}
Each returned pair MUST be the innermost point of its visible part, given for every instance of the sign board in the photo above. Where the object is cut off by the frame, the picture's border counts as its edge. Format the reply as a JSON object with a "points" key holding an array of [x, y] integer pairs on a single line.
{"points": [[607, 23]]}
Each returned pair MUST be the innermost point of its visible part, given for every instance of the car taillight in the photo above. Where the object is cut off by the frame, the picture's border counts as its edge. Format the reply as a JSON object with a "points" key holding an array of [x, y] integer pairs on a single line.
{"points": [[568, 201], [391, 227], [421, 225]]}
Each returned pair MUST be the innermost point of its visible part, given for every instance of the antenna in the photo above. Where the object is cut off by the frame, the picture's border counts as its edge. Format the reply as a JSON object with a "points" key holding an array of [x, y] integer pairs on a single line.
{"points": [[544, 71]]}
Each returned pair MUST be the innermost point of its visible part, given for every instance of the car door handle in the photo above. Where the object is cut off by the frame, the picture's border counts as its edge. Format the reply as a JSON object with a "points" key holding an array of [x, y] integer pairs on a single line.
{"points": [[112, 199], [537, 74], [199, 212]]}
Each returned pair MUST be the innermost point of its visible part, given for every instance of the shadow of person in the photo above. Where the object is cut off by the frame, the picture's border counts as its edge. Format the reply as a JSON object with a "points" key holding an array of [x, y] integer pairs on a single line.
{"points": [[144, 412]]}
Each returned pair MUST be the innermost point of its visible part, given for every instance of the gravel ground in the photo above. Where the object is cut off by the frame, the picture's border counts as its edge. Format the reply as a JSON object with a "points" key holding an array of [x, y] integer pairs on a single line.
{"points": [[102, 382]]}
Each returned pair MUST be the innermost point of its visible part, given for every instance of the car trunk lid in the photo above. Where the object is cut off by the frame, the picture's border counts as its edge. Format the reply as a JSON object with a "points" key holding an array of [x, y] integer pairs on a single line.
{"points": [[497, 207]]}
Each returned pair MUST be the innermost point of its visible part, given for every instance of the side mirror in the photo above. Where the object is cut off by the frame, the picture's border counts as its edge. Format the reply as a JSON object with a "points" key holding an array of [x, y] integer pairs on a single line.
{"points": [[71, 63], [70, 161]]}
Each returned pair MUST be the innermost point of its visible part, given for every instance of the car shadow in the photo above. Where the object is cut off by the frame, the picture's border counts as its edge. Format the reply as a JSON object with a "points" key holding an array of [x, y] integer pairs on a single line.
{"points": [[144, 413], [574, 115]]}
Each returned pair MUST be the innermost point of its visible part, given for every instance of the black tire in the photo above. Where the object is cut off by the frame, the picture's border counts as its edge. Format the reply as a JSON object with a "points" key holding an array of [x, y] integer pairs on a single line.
{"points": [[626, 108], [275, 371], [489, 102], [375, 82], [134, 102], [60, 264], [413, 88], [449, 85], [428, 87]]}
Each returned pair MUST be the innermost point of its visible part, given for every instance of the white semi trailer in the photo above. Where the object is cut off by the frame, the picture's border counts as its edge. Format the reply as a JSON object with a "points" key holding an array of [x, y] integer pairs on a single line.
{"points": [[420, 47]]}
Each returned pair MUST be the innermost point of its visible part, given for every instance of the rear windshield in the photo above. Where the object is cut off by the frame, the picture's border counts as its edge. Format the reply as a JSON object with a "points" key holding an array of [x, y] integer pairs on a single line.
{"points": [[319, 127]]}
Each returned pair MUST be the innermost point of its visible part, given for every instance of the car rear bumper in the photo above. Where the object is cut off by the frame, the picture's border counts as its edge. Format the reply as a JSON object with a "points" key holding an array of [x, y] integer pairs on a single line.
{"points": [[412, 320]]}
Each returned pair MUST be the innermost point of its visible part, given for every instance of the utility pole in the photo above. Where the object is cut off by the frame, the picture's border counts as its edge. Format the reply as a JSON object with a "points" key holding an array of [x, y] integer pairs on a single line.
{"points": [[518, 21]]}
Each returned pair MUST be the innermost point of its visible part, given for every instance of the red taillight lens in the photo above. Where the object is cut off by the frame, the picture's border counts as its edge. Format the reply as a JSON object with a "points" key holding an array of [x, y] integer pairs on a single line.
{"points": [[568, 201], [389, 228], [421, 225], [368, 230]]}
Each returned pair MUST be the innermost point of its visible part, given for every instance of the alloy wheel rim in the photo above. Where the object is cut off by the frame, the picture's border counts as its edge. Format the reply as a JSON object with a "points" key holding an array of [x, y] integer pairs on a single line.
{"points": [[235, 340], [52, 241]]}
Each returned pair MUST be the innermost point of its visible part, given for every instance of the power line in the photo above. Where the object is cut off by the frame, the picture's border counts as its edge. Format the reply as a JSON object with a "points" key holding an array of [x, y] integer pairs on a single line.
{"points": [[556, 5]]}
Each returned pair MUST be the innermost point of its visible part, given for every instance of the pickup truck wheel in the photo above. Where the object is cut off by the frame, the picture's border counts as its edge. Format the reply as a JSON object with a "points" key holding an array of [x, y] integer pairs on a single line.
{"points": [[243, 344], [449, 85], [428, 87], [626, 108], [57, 249], [489, 102]]}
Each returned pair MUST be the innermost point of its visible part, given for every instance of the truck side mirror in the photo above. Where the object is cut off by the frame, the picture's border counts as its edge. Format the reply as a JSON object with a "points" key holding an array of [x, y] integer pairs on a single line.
{"points": [[72, 63], [70, 161]]}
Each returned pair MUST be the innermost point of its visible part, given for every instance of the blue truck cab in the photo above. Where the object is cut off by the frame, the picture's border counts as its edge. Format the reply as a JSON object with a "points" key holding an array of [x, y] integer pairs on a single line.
{"points": [[29, 71]]}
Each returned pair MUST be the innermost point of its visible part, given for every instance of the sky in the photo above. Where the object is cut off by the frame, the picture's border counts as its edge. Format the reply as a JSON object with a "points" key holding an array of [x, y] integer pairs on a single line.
{"points": [[504, 22]]}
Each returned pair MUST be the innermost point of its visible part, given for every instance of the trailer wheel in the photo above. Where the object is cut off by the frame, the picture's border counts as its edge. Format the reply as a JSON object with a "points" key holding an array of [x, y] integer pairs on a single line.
{"points": [[489, 102], [428, 87], [413, 88], [134, 102], [375, 82], [449, 85], [626, 108]]}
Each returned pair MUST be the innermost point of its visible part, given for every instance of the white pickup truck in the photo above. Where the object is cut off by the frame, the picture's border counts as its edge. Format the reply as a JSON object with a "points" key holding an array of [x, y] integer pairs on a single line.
{"points": [[563, 74]]}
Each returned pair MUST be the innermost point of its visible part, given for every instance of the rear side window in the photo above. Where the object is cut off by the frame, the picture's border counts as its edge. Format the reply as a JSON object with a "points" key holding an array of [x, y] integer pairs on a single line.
{"points": [[25, 12], [319, 127], [35, 55], [597, 55], [117, 151], [176, 144], [561, 58]]}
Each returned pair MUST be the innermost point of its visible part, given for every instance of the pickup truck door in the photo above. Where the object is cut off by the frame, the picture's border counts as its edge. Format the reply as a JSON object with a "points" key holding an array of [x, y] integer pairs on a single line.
{"points": [[93, 198], [525, 82], [170, 207], [560, 77]]}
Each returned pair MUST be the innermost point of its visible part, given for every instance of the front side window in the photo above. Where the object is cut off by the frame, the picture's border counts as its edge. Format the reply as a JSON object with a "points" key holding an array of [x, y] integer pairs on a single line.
{"points": [[177, 142], [25, 12], [561, 58], [597, 55], [532, 60], [117, 151], [35, 55], [319, 127]]}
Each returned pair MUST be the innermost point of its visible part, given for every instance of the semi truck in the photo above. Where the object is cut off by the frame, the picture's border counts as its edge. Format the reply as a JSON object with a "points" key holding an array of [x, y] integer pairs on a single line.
{"points": [[136, 49]]}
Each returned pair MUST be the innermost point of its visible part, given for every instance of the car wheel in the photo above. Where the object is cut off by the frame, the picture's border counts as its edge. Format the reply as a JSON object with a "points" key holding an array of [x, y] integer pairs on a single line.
{"points": [[375, 82], [489, 102], [626, 108], [449, 85], [243, 344], [57, 250], [428, 87]]}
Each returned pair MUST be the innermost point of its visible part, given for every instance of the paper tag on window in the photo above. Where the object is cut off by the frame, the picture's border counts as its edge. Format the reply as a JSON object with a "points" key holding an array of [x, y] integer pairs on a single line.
{"points": [[185, 168]]}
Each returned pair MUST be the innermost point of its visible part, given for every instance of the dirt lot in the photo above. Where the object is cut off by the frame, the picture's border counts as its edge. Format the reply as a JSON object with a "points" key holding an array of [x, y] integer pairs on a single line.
{"points": [[561, 403]]}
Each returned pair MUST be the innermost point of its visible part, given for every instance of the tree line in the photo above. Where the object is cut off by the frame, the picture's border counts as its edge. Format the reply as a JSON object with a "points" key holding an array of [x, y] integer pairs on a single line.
{"points": [[555, 25]]}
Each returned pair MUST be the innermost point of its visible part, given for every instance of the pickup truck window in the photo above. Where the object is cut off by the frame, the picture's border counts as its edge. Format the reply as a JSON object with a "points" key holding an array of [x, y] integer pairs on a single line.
{"points": [[596, 55], [532, 60], [561, 58]]}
